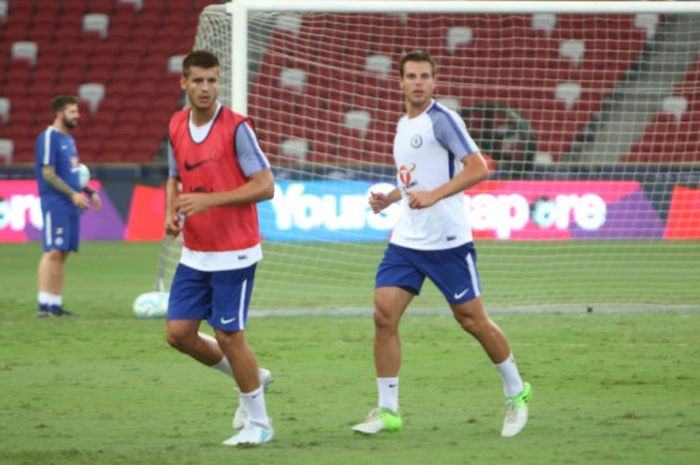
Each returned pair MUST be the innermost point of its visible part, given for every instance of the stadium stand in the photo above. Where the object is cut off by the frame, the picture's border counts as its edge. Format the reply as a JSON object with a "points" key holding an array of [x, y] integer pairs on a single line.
{"points": [[551, 95], [132, 47], [113, 53], [672, 135]]}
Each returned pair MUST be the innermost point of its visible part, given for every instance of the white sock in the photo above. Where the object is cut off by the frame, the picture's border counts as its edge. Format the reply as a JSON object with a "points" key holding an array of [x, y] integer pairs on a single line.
{"points": [[512, 383], [54, 299], [43, 298], [207, 337], [388, 393], [256, 406], [223, 366]]}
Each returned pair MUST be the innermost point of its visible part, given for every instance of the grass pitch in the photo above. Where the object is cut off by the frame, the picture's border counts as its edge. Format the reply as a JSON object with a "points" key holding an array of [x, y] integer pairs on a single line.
{"points": [[105, 388]]}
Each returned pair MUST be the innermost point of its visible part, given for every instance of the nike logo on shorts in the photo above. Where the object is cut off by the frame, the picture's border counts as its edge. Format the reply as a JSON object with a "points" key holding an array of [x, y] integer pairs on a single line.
{"points": [[225, 321], [461, 294]]}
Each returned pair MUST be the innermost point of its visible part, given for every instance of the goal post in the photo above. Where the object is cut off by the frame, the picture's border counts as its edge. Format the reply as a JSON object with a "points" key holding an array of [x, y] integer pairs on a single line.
{"points": [[588, 112]]}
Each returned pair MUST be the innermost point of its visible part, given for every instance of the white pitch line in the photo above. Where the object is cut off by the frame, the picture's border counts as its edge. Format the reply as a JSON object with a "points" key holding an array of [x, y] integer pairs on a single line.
{"points": [[291, 312]]}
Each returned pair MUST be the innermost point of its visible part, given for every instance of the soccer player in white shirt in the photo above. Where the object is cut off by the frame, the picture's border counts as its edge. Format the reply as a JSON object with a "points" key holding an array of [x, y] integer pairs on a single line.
{"points": [[436, 162]]}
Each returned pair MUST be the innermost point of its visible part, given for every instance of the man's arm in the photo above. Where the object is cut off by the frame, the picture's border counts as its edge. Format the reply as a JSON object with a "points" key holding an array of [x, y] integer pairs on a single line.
{"points": [[172, 215], [49, 174], [260, 186], [475, 170], [379, 201]]}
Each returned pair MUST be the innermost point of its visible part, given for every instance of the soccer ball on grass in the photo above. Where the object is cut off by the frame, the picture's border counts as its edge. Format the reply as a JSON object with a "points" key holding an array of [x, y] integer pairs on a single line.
{"points": [[151, 305]]}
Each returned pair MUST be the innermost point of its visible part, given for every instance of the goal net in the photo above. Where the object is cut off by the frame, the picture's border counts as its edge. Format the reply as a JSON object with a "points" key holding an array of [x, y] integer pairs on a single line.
{"points": [[589, 113]]}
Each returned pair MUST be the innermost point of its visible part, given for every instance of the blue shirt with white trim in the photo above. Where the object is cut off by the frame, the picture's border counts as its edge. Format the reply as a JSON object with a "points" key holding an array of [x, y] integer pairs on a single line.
{"points": [[57, 149]]}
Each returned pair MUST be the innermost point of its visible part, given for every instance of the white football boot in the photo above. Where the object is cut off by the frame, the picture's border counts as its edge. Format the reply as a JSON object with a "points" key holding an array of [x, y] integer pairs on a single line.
{"points": [[250, 435], [516, 412]]}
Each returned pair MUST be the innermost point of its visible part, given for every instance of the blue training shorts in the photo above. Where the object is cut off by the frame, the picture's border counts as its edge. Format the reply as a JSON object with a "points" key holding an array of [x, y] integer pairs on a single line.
{"points": [[452, 270], [220, 297], [61, 231]]}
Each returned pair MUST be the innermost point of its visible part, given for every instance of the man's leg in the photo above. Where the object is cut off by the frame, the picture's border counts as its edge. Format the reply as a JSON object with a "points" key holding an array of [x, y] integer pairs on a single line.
{"points": [[241, 357], [184, 336], [390, 304], [473, 318], [257, 428], [50, 277]]}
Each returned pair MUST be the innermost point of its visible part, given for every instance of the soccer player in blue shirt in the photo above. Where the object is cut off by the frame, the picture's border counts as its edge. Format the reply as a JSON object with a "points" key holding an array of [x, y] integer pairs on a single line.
{"points": [[62, 202]]}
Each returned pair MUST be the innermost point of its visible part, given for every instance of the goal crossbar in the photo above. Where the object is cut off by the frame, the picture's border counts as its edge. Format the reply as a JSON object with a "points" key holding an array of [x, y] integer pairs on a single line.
{"points": [[451, 6]]}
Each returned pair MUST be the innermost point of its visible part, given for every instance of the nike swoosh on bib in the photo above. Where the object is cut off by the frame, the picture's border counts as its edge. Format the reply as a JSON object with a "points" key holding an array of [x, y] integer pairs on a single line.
{"points": [[190, 167]]}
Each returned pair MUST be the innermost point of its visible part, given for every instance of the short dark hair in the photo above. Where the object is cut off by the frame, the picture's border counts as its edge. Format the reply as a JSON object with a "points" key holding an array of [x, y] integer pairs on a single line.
{"points": [[60, 103], [199, 58], [417, 55]]}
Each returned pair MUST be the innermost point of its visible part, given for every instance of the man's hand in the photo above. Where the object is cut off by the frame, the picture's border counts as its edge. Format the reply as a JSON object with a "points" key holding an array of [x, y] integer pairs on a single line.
{"points": [[378, 202], [172, 224], [79, 200], [421, 199], [96, 202], [191, 204]]}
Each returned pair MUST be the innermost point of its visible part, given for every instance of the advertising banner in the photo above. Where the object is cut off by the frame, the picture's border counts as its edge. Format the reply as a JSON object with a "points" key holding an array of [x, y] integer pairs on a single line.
{"points": [[337, 210], [21, 218], [517, 210], [546, 210], [684, 214]]}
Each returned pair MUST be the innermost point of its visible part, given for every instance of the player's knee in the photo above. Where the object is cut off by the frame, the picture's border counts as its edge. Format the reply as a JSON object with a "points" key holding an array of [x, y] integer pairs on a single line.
{"points": [[179, 340], [472, 325], [383, 319], [54, 255], [172, 339], [229, 339]]}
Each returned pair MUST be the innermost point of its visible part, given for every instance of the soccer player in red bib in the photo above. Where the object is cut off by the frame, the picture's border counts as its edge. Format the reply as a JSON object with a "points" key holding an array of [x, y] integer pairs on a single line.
{"points": [[217, 174], [436, 161]]}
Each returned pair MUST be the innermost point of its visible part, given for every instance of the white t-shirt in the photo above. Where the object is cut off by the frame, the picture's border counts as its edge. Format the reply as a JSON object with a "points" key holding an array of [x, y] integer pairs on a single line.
{"points": [[428, 151]]}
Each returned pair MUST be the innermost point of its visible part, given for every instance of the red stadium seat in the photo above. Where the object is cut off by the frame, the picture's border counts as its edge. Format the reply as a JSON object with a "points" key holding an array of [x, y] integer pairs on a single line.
{"points": [[42, 33], [145, 148], [98, 73], [68, 33], [114, 150], [156, 7], [125, 129], [24, 149], [101, 6], [100, 128], [88, 148]]}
